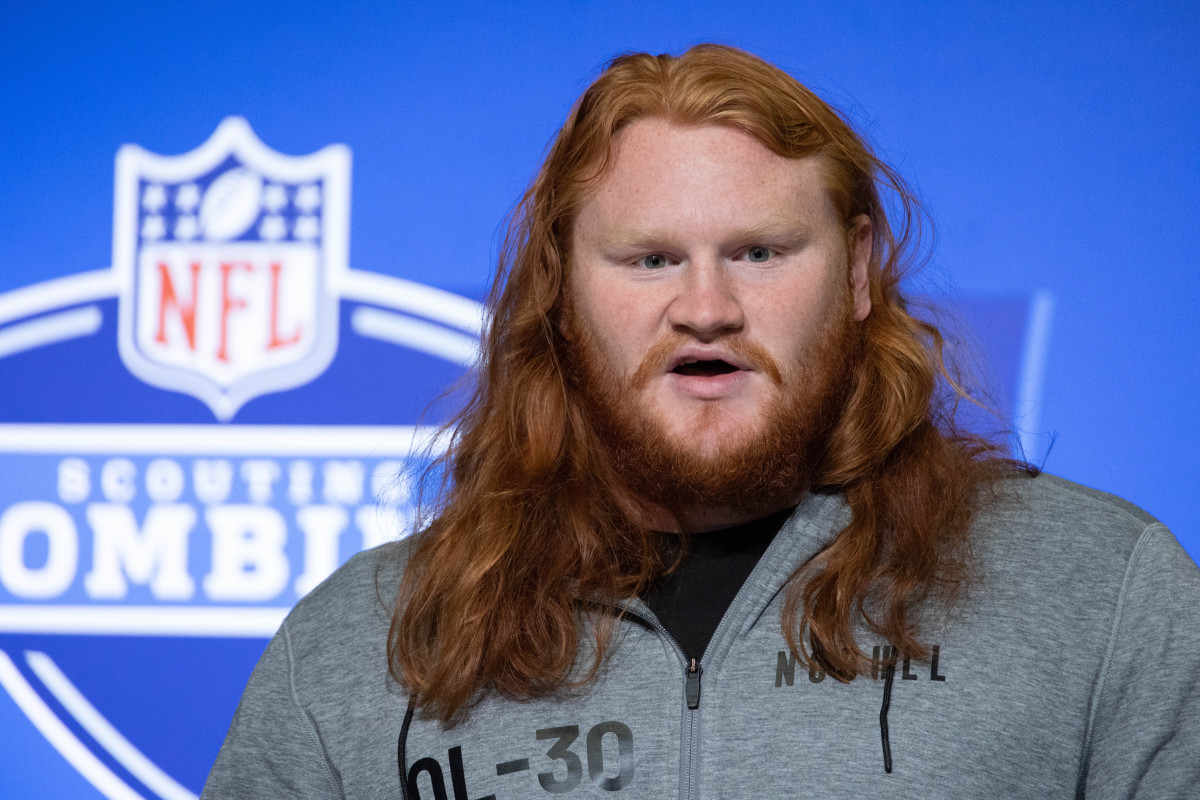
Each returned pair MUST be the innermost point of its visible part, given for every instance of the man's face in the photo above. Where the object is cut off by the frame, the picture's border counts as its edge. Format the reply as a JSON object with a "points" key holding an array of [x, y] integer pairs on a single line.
{"points": [[712, 284]]}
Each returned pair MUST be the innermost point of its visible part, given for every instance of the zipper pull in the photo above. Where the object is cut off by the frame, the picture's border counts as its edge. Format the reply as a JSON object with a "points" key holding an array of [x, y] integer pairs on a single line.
{"points": [[693, 684]]}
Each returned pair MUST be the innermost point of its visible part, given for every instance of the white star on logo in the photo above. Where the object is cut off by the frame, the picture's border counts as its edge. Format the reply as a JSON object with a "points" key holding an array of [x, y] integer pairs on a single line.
{"points": [[187, 197], [153, 228], [154, 198], [308, 198], [307, 228], [272, 228], [274, 198], [186, 228]]}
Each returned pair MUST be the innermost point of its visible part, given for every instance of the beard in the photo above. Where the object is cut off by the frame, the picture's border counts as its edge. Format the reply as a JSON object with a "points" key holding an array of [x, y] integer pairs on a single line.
{"points": [[761, 469]]}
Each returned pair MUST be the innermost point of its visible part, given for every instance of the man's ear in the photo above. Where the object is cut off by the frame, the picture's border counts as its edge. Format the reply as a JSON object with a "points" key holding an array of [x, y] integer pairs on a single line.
{"points": [[565, 329], [859, 244]]}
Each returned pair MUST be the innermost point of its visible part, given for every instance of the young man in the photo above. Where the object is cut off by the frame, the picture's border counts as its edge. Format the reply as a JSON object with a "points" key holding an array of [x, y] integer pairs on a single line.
{"points": [[711, 530]]}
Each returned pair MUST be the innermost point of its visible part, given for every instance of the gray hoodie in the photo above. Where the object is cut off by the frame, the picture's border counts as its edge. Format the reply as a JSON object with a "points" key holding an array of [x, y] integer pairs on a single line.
{"points": [[1070, 668]]}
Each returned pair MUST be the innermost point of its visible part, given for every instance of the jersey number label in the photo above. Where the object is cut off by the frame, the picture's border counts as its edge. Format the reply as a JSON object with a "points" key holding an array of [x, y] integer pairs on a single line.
{"points": [[561, 751]]}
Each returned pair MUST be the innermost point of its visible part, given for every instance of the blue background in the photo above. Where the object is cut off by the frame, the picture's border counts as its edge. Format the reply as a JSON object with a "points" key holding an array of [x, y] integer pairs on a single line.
{"points": [[1057, 145]]}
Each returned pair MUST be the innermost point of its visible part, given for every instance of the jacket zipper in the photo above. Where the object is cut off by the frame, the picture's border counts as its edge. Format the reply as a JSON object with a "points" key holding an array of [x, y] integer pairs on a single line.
{"points": [[692, 670], [693, 685]]}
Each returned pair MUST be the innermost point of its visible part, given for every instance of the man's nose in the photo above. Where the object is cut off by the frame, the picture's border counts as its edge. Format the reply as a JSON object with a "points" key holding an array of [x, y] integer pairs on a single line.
{"points": [[706, 303]]}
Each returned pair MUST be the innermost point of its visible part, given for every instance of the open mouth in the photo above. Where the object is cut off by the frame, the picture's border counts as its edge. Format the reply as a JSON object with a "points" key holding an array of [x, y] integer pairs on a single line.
{"points": [[705, 369]]}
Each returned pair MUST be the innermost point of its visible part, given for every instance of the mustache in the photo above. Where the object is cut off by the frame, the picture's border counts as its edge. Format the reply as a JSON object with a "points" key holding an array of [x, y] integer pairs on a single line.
{"points": [[659, 355]]}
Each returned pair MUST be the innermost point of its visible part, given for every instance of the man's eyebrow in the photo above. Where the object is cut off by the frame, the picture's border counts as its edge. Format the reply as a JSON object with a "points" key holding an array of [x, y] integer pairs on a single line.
{"points": [[772, 231], [635, 239]]}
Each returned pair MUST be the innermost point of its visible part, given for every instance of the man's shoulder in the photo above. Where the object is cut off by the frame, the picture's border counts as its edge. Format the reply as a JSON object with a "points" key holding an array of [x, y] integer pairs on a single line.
{"points": [[353, 605], [1046, 524], [1048, 499]]}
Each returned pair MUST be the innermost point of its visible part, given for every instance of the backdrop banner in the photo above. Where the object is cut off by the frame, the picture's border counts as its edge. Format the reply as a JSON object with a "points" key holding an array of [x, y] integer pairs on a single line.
{"points": [[244, 250]]}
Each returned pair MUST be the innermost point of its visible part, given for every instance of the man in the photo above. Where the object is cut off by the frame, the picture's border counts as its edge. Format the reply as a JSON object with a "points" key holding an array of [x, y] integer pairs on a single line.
{"points": [[710, 530]]}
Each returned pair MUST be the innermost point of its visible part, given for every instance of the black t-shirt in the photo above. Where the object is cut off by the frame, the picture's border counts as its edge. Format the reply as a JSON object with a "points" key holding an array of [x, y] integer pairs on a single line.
{"points": [[690, 601]]}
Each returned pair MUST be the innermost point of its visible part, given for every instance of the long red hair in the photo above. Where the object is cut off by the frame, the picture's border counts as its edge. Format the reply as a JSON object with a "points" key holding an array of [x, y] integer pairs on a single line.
{"points": [[528, 528]]}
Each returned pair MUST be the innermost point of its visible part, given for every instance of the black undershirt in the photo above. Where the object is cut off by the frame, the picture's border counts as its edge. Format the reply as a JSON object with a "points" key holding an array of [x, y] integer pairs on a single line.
{"points": [[691, 601]]}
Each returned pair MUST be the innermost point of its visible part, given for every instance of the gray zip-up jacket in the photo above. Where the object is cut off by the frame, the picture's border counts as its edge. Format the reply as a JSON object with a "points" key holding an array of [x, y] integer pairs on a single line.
{"points": [[1071, 668]]}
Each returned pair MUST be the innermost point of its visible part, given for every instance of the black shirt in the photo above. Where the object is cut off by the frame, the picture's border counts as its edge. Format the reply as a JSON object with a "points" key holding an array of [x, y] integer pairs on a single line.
{"points": [[691, 601]]}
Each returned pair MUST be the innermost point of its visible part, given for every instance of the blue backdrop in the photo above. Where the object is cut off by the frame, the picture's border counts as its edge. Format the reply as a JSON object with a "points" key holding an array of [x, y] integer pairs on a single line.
{"points": [[1058, 147]]}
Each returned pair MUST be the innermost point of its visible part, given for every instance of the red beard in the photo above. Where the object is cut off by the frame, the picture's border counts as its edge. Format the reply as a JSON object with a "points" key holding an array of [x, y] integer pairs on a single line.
{"points": [[754, 474]]}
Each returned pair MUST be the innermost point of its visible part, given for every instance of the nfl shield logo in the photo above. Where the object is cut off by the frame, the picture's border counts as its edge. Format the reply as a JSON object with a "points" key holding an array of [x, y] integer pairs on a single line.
{"points": [[230, 259]]}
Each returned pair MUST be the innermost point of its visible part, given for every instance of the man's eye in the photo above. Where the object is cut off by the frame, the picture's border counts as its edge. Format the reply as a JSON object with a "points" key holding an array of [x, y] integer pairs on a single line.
{"points": [[653, 261], [758, 254]]}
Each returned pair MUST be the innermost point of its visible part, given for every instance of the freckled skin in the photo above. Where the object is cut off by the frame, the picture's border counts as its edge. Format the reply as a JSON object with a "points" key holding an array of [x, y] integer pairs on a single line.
{"points": [[704, 235]]}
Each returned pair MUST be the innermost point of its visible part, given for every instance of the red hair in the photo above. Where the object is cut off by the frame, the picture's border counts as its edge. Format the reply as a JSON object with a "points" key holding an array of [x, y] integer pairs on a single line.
{"points": [[529, 529]]}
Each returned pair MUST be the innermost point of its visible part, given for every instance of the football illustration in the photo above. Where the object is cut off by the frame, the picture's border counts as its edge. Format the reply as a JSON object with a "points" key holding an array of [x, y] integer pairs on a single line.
{"points": [[231, 204]]}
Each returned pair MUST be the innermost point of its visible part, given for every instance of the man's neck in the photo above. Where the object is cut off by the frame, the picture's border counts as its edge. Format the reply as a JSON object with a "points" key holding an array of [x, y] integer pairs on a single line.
{"points": [[702, 520]]}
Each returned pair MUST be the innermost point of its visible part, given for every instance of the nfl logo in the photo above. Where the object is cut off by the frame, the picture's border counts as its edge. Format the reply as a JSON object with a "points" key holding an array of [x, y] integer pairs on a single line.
{"points": [[230, 259]]}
